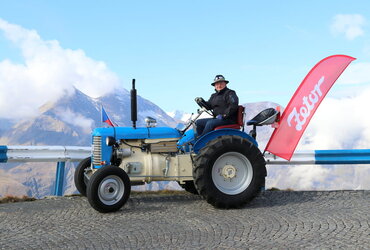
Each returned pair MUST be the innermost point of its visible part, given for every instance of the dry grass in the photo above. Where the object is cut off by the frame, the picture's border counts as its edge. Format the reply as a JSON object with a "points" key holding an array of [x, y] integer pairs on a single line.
{"points": [[12, 199], [73, 195]]}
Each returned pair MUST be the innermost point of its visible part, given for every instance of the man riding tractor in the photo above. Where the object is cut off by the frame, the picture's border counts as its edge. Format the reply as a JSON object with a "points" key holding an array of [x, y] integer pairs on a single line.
{"points": [[224, 103]]}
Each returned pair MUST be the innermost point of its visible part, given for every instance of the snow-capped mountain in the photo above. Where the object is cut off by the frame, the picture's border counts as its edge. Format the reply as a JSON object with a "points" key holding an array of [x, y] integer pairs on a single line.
{"points": [[5, 124], [68, 121], [179, 116]]}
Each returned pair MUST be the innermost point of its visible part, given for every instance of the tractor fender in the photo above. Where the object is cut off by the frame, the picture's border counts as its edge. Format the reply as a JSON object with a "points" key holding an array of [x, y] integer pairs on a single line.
{"points": [[202, 141]]}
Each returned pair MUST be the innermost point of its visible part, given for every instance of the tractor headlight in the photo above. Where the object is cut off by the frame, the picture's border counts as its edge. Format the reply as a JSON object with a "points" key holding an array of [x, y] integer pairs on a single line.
{"points": [[150, 122], [110, 141]]}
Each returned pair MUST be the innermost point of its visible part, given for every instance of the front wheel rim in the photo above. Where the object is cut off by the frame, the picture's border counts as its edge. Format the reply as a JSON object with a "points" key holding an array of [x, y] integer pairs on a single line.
{"points": [[232, 173], [111, 190]]}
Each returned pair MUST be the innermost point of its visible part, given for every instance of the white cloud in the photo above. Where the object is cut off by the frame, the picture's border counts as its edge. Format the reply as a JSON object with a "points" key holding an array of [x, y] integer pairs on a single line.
{"points": [[349, 25], [316, 177], [304, 177], [339, 123], [47, 73], [75, 119], [356, 73]]}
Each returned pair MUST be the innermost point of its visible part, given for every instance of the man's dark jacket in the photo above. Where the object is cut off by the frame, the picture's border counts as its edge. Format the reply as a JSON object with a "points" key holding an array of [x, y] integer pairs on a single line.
{"points": [[225, 103]]}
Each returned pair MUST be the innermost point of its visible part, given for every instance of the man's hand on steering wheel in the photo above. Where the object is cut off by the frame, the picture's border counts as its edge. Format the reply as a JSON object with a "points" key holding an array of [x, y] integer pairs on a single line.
{"points": [[203, 104]]}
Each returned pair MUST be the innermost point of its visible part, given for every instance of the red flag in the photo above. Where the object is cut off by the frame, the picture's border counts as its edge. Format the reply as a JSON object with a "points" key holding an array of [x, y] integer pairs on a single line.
{"points": [[304, 103], [105, 118]]}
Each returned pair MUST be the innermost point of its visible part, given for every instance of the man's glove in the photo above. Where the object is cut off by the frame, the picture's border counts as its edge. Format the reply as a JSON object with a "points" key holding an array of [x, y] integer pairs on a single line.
{"points": [[219, 117], [198, 99]]}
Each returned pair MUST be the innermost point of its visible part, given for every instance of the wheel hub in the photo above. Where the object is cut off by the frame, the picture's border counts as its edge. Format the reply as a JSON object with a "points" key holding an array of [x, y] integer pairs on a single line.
{"points": [[232, 173], [228, 171], [111, 190]]}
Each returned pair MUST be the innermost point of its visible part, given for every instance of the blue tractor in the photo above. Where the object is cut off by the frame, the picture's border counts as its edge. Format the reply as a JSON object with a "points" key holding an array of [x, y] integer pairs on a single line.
{"points": [[224, 166]]}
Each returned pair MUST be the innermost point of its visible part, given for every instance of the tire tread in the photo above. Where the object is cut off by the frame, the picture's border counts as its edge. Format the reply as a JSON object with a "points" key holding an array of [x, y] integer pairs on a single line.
{"points": [[207, 156]]}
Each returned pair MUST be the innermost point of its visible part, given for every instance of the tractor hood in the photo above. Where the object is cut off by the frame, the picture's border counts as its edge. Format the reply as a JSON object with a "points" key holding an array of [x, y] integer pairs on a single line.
{"points": [[138, 133]]}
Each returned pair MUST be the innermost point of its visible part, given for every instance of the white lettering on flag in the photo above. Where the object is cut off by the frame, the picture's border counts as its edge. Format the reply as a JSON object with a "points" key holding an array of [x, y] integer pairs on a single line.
{"points": [[305, 110]]}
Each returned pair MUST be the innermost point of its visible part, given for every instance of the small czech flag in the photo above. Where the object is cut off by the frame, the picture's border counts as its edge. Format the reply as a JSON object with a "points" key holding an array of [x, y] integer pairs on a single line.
{"points": [[105, 118]]}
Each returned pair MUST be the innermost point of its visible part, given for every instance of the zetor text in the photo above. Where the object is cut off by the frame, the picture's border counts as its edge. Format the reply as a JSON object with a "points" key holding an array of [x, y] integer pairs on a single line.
{"points": [[304, 111]]}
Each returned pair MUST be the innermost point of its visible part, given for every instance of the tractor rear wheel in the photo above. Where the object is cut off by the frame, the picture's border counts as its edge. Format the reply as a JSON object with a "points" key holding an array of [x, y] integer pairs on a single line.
{"points": [[189, 187], [229, 171], [79, 177], [108, 189]]}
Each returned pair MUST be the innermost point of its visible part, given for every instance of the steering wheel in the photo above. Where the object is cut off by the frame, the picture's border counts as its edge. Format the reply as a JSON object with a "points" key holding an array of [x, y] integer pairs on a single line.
{"points": [[203, 104]]}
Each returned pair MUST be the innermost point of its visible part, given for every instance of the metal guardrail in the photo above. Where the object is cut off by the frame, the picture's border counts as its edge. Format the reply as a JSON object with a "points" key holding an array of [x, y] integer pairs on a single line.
{"points": [[323, 157], [43, 153], [59, 154]]}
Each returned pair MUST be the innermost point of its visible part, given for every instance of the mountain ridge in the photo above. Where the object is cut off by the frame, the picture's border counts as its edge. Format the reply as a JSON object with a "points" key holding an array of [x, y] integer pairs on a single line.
{"points": [[69, 120], [66, 121]]}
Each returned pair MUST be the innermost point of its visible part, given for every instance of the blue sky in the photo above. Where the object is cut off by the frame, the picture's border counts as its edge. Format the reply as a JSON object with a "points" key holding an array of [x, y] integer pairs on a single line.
{"points": [[175, 48]]}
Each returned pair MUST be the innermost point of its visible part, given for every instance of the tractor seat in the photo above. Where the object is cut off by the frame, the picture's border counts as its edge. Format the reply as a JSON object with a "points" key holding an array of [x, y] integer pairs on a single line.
{"points": [[265, 117], [240, 120]]}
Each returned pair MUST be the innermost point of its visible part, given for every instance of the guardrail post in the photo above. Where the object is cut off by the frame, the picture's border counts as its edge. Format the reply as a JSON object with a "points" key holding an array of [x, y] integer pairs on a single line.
{"points": [[59, 179], [3, 156]]}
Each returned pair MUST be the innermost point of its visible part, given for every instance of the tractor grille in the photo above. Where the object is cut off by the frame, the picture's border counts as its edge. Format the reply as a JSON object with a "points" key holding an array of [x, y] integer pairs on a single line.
{"points": [[97, 150]]}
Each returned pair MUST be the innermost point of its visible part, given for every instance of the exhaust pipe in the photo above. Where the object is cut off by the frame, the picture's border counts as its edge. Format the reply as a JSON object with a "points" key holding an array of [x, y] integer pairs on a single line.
{"points": [[133, 104]]}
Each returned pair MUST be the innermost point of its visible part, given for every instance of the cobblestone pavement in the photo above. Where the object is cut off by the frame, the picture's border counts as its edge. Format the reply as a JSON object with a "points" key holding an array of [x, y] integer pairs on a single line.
{"points": [[274, 220]]}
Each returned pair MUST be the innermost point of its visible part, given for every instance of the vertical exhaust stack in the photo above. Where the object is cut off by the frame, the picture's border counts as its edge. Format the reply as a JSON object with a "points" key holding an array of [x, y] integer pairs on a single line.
{"points": [[133, 104]]}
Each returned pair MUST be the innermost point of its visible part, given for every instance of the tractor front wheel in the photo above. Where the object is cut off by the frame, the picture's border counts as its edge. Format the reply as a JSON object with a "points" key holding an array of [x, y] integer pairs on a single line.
{"points": [[79, 177], [229, 171], [108, 189]]}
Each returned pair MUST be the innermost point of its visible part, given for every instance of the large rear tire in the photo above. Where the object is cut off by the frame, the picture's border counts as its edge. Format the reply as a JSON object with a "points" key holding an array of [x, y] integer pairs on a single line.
{"points": [[189, 187], [108, 189], [229, 171], [79, 177]]}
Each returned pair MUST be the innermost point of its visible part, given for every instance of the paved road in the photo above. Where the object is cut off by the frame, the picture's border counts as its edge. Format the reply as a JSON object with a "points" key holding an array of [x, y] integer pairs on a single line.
{"points": [[274, 220]]}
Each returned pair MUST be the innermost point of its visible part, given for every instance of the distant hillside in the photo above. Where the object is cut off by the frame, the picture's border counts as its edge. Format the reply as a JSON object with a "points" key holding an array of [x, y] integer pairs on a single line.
{"points": [[68, 121]]}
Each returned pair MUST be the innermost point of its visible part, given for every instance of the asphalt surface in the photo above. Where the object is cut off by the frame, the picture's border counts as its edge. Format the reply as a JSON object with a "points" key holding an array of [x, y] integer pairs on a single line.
{"points": [[274, 220]]}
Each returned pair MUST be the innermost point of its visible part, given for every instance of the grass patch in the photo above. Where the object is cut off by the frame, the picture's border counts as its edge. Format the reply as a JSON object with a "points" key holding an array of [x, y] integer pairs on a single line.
{"points": [[12, 199]]}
